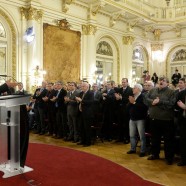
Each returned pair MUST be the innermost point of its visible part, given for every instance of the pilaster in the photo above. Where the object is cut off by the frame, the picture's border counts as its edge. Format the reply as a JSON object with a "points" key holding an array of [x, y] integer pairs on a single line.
{"points": [[89, 60], [32, 52], [126, 64]]}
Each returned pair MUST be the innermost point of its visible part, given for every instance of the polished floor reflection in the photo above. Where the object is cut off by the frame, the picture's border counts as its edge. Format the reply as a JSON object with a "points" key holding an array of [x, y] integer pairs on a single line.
{"points": [[156, 170]]}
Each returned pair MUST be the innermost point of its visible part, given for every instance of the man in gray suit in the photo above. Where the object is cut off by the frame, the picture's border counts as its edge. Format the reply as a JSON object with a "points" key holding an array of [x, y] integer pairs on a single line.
{"points": [[72, 111]]}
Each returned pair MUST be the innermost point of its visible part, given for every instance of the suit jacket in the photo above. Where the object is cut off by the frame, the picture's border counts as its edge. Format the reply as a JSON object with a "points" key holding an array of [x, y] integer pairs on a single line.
{"points": [[180, 96], [97, 102], [50, 95], [72, 105], [39, 101], [109, 102], [87, 102], [125, 95], [61, 101], [138, 111], [3, 88]]}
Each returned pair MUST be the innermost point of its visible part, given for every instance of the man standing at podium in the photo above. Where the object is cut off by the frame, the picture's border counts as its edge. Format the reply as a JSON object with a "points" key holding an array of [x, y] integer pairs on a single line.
{"points": [[5, 87]]}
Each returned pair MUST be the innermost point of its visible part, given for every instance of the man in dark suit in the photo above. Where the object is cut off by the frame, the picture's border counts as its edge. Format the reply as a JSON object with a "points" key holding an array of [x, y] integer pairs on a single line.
{"points": [[50, 110], [85, 100], [5, 87], [97, 100], [60, 127], [40, 107], [108, 99], [181, 107], [72, 111], [122, 99]]}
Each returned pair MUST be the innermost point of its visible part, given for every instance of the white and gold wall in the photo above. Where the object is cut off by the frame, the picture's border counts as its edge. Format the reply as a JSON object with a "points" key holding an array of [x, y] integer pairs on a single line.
{"points": [[20, 58]]}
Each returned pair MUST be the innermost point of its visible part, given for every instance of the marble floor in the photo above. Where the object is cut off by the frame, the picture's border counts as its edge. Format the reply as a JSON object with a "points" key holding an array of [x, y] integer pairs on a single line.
{"points": [[157, 171]]}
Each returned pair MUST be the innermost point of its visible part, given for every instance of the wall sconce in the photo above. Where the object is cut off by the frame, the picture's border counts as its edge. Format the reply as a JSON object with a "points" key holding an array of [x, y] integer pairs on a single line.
{"points": [[37, 76], [29, 34]]}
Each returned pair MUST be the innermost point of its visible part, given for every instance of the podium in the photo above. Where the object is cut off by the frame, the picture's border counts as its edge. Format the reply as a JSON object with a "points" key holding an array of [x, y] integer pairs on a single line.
{"points": [[10, 134]]}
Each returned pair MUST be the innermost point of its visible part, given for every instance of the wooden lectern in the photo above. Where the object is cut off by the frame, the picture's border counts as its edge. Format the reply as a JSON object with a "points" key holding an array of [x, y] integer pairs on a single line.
{"points": [[10, 134]]}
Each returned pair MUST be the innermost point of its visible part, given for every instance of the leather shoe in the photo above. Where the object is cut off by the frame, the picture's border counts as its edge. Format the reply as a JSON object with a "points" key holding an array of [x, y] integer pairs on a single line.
{"points": [[168, 161], [153, 157], [131, 152], [142, 154], [80, 143], [181, 163]]}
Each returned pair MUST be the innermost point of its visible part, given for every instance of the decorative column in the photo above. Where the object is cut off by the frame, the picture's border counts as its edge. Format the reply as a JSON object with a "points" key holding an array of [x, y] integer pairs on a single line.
{"points": [[126, 64], [89, 56], [32, 51]]}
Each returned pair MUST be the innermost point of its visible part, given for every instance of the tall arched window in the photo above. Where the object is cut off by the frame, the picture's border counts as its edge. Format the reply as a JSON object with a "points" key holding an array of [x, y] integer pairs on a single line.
{"points": [[104, 62], [178, 61], [137, 64]]}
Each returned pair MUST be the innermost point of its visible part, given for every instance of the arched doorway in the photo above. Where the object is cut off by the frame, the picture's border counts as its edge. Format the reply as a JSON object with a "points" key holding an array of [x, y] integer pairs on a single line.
{"points": [[107, 60]]}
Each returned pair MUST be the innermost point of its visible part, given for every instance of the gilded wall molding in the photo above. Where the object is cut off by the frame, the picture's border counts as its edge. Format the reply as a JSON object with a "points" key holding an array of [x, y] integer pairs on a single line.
{"points": [[168, 56], [65, 4], [31, 13], [97, 7], [13, 32], [128, 40], [89, 29]]}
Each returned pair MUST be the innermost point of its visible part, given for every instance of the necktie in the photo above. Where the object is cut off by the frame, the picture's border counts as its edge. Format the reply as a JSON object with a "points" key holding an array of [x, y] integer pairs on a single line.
{"points": [[70, 94]]}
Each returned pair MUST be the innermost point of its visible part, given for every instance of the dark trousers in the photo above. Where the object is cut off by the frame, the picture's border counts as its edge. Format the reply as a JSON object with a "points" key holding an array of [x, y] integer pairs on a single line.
{"points": [[163, 128], [61, 128], [85, 130], [182, 123]]}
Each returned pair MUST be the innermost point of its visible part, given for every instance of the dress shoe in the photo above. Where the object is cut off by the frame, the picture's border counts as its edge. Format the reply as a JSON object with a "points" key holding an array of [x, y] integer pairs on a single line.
{"points": [[142, 154], [181, 163], [131, 152], [80, 143], [153, 157], [169, 161]]}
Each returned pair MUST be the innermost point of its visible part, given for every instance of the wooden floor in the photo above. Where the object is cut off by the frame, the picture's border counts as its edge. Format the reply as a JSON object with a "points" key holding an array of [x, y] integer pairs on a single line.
{"points": [[156, 171]]}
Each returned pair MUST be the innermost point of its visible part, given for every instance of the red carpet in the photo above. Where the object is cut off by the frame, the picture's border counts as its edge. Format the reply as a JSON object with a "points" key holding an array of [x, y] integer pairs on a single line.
{"points": [[58, 166]]}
